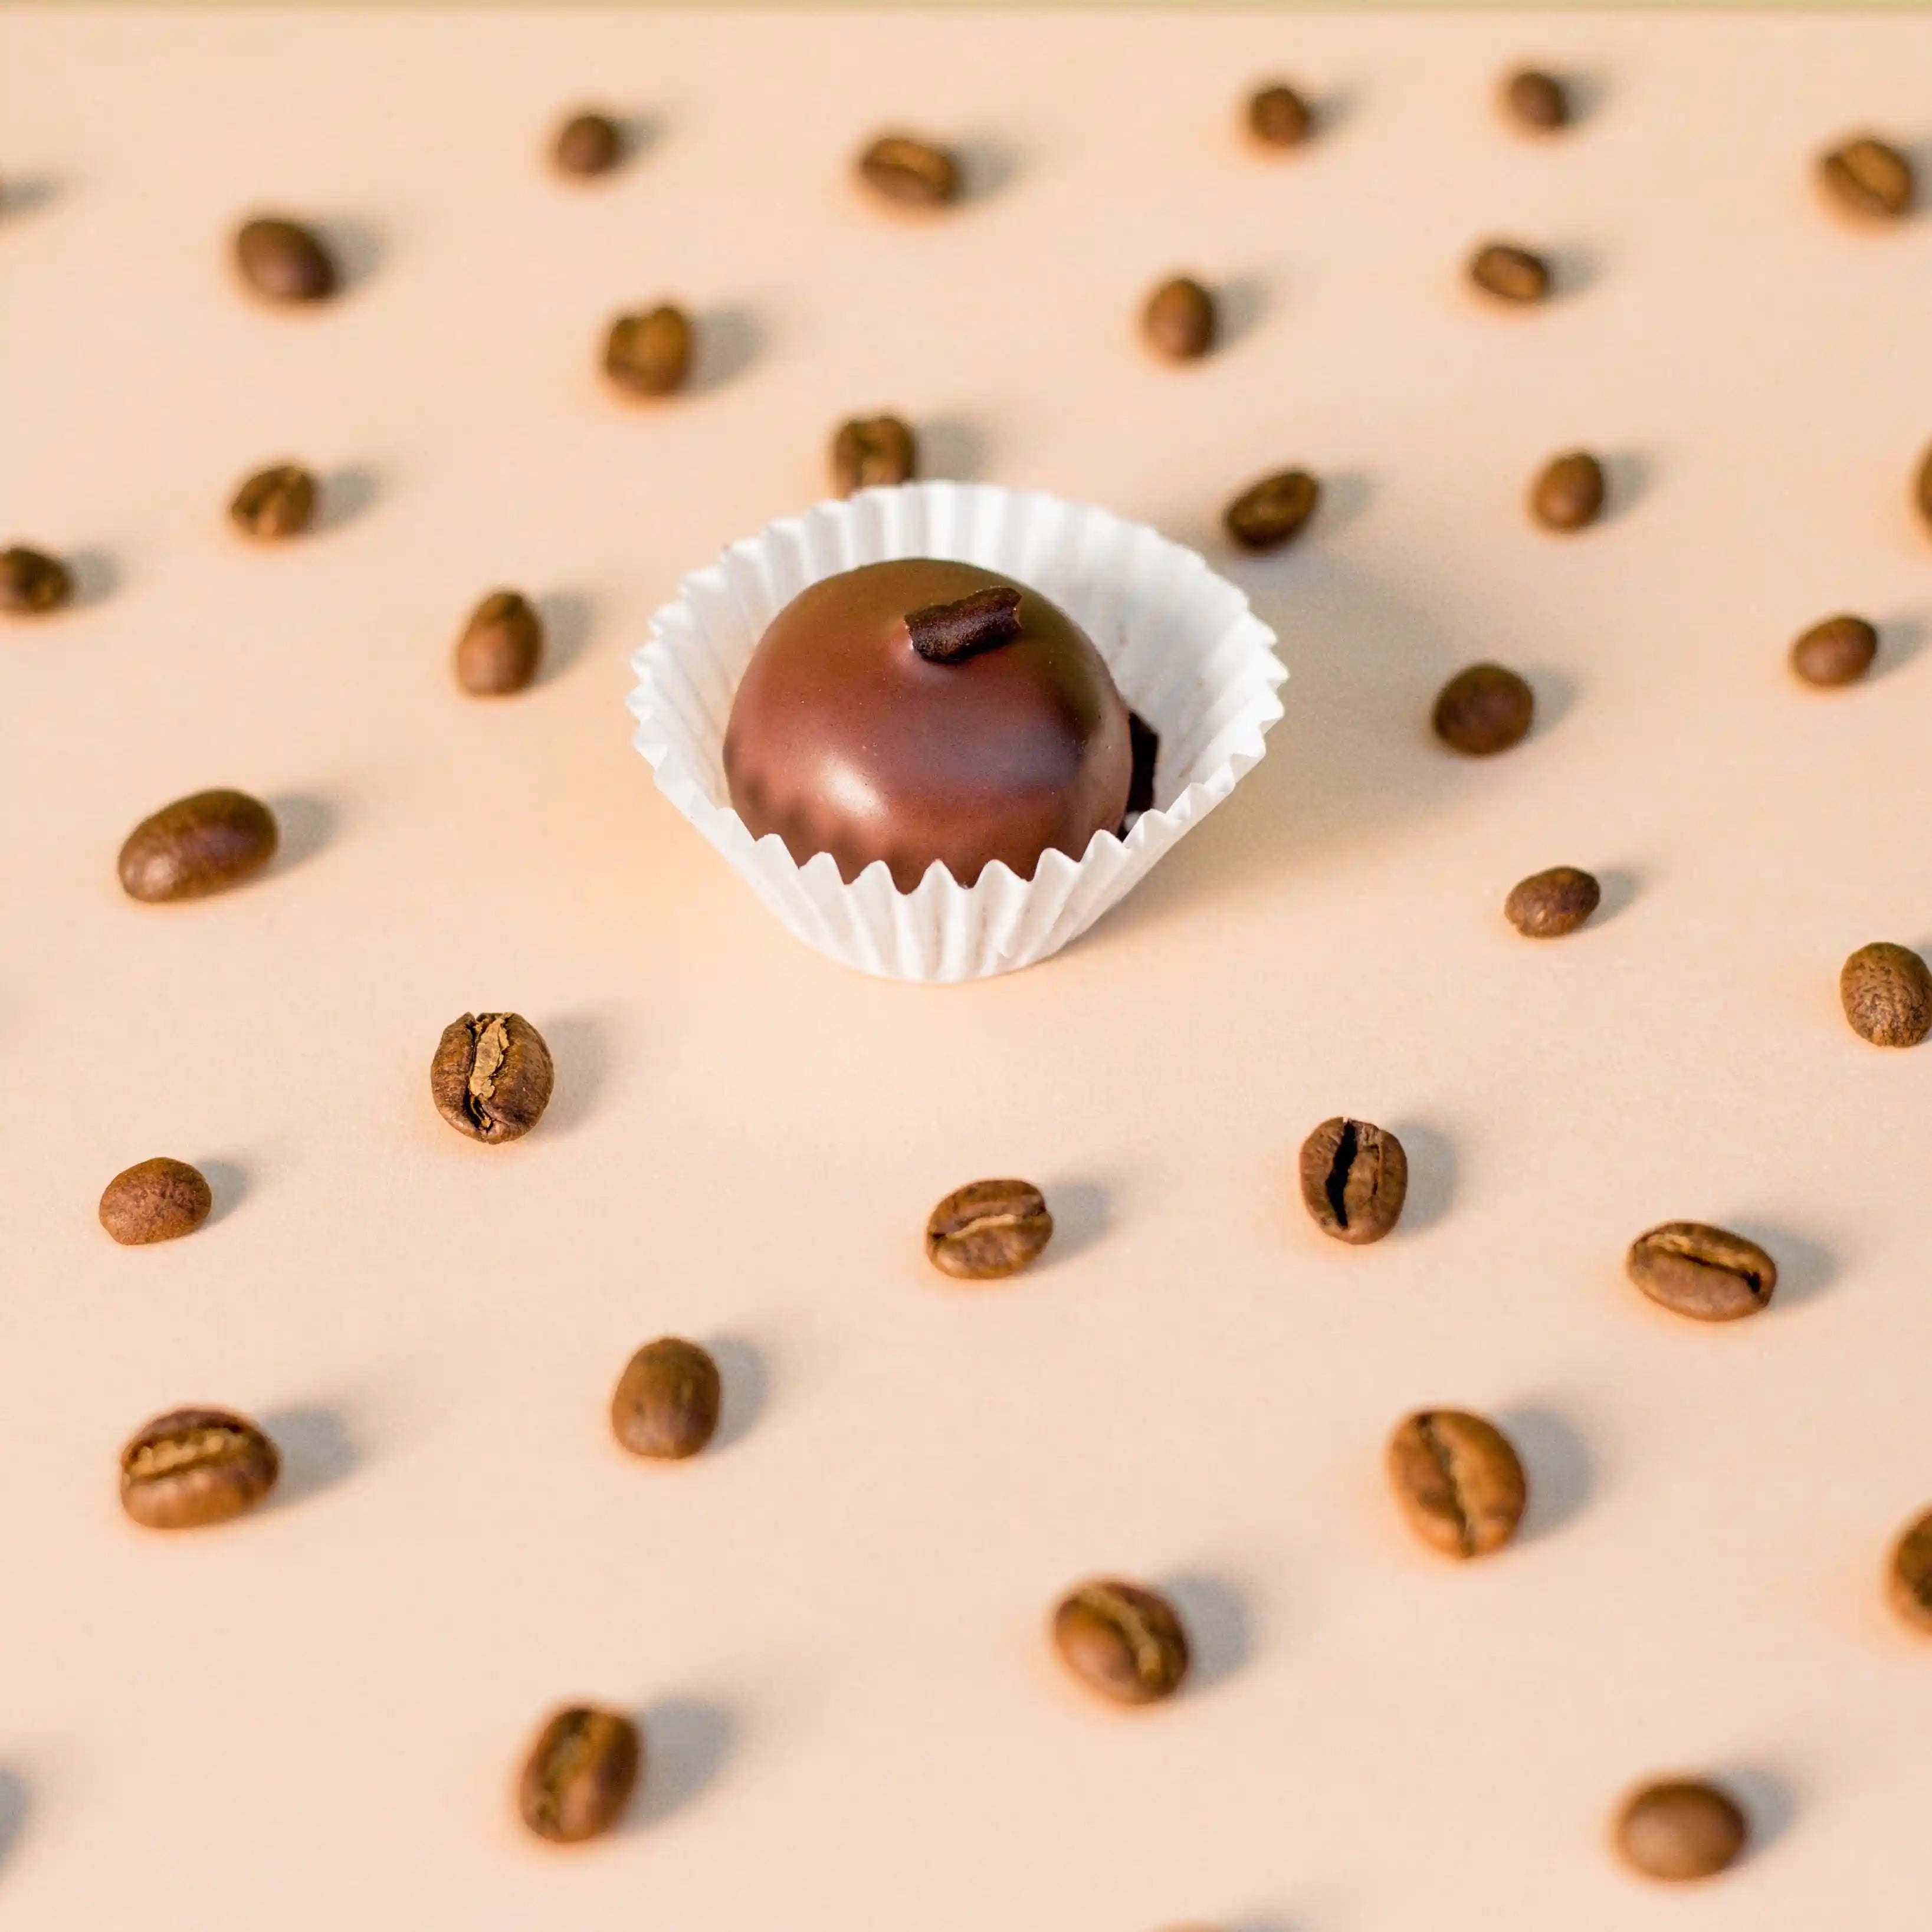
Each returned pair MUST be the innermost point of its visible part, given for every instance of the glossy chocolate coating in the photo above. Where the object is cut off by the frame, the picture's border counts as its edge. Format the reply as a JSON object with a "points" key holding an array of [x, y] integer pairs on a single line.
{"points": [[843, 739]]}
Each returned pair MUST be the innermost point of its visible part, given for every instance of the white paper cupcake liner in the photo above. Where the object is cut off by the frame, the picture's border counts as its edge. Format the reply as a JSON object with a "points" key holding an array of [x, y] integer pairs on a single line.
{"points": [[1184, 648]]}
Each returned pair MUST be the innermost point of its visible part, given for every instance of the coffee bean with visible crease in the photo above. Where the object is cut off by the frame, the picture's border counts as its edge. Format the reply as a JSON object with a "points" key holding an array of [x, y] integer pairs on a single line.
{"points": [[1908, 1576], [666, 1401], [1457, 1480], [1535, 101], [1178, 320], [1484, 709], [988, 1229], [498, 651], [1886, 990], [275, 502], [1679, 1829], [909, 172], [1867, 177], [1839, 651], [1280, 117], [580, 1773], [870, 452], [1123, 1640], [195, 1466], [1354, 1177], [1547, 905], [32, 583], [200, 844], [157, 1200], [492, 1076], [1708, 1273], [1273, 511], [1568, 492], [649, 354], [587, 145], [1510, 274], [283, 262]]}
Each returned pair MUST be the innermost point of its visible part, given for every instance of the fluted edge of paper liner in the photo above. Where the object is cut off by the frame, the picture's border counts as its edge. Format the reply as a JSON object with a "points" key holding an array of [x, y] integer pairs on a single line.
{"points": [[1184, 647]]}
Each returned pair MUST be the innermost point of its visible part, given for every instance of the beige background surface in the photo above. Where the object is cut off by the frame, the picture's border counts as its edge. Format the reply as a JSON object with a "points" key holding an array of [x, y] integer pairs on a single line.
{"points": [[833, 1623]]}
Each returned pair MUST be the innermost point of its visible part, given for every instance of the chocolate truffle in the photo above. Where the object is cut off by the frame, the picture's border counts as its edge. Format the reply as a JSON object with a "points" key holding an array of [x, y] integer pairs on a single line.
{"points": [[987, 728]]}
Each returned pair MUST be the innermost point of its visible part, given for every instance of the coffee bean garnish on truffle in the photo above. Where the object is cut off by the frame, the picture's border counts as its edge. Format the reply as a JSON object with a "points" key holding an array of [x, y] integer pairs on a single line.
{"points": [[912, 172], [32, 583], [1354, 1178], [580, 1773], [945, 633], [1178, 320], [1908, 1576], [1510, 274], [1868, 177], [988, 1229], [868, 452], [1273, 511], [195, 1466], [1708, 1273], [1680, 1829], [667, 1402], [1484, 709], [275, 502], [1547, 905], [649, 354], [1535, 101], [157, 1200], [498, 651], [1123, 1640], [588, 144], [1278, 117], [491, 1077], [1568, 492], [283, 262], [1838, 651], [843, 739], [200, 844], [1457, 1480], [1886, 990]]}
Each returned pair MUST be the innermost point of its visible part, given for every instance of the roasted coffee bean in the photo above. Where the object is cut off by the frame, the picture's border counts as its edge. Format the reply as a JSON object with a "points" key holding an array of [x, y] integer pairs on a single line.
{"points": [[988, 1228], [1278, 117], [1125, 1642], [1143, 742], [667, 1400], [1273, 511], [32, 583], [1908, 1577], [588, 143], [1867, 176], [1547, 905], [1838, 651], [1178, 320], [1921, 489], [284, 261], [1887, 993], [201, 844], [1680, 1828], [1484, 709], [1536, 101], [277, 502], [1568, 492], [1353, 1179], [649, 354], [498, 651], [1510, 274], [867, 451], [193, 1466], [1457, 1480], [492, 1076], [1705, 1272], [155, 1201], [580, 1773], [912, 172]]}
